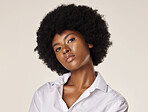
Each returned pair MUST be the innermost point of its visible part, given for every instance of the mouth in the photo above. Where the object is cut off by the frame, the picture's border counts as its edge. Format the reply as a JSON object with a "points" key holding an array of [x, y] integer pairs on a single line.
{"points": [[69, 58]]}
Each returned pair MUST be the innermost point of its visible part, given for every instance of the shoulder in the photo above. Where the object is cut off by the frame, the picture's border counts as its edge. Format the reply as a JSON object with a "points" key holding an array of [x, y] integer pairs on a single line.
{"points": [[114, 94], [51, 87], [116, 101], [45, 88], [44, 93], [43, 96]]}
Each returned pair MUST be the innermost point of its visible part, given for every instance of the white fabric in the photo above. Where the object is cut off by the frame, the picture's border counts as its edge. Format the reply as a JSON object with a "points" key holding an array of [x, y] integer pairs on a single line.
{"points": [[99, 97]]}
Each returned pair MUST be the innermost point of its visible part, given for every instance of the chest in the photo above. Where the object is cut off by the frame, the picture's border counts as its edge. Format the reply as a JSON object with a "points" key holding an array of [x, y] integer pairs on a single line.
{"points": [[71, 96]]}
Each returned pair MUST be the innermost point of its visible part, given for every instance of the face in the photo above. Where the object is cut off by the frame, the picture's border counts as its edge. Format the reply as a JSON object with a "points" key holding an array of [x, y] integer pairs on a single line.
{"points": [[71, 50]]}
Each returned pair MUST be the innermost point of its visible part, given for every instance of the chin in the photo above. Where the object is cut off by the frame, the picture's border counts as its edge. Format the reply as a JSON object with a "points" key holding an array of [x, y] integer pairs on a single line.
{"points": [[73, 66]]}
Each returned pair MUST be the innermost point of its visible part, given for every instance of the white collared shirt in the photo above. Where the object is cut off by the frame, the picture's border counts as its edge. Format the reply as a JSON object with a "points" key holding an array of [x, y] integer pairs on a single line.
{"points": [[99, 97]]}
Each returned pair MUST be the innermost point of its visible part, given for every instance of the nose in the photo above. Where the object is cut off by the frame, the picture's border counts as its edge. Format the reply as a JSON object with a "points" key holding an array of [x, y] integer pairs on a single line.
{"points": [[66, 49]]}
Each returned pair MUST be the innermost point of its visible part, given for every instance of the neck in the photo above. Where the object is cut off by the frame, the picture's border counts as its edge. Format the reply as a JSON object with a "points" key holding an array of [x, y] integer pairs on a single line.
{"points": [[83, 77]]}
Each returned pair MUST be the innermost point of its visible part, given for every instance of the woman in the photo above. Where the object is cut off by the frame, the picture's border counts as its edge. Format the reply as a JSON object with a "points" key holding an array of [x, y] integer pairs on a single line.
{"points": [[71, 41]]}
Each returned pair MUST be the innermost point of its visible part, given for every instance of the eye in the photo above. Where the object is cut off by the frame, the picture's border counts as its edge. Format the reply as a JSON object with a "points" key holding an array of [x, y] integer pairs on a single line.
{"points": [[69, 41], [58, 49]]}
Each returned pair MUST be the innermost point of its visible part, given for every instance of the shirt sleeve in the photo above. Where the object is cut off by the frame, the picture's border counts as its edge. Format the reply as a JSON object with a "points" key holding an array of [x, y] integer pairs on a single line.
{"points": [[34, 107], [119, 106]]}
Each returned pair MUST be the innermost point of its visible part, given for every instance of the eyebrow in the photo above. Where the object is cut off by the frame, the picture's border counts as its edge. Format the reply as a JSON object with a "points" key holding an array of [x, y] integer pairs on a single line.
{"points": [[64, 39]]}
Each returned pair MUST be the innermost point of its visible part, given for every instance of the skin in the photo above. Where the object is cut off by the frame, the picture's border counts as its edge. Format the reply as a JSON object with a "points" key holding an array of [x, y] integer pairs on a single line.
{"points": [[81, 67]]}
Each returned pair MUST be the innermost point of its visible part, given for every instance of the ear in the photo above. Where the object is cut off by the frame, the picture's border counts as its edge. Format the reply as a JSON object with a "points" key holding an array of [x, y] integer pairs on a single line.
{"points": [[90, 45]]}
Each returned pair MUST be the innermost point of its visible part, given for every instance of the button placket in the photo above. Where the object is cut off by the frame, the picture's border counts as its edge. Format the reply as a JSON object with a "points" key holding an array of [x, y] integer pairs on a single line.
{"points": [[62, 103]]}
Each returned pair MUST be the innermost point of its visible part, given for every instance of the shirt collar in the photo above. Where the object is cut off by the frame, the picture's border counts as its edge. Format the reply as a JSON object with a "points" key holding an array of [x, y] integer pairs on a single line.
{"points": [[99, 82]]}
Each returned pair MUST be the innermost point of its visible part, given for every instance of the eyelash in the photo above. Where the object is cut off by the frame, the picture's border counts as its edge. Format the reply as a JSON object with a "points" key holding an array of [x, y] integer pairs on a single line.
{"points": [[71, 39], [67, 42]]}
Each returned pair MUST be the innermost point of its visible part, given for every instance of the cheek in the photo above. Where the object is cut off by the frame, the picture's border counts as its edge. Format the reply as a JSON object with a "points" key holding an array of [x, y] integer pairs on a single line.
{"points": [[60, 58], [81, 49]]}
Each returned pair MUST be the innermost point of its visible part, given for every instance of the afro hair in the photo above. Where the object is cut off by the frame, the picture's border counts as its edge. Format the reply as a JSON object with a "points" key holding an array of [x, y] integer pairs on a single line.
{"points": [[90, 24]]}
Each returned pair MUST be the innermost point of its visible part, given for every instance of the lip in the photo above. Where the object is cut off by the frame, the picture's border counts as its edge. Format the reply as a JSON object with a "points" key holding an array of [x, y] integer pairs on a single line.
{"points": [[69, 57]]}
